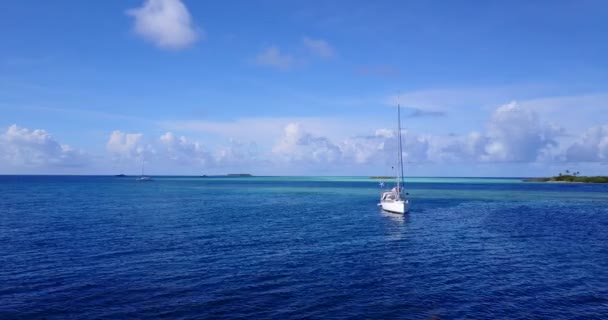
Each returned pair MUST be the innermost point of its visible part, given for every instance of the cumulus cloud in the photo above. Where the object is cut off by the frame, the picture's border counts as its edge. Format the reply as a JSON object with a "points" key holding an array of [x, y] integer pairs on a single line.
{"points": [[415, 147], [166, 23], [516, 134], [366, 149], [125, 145], [382, 147], [182, 150], [592, 146], [35, 148], [513, 133], [471, 148], [299, 145], [170, 149], [273, 57], [318, 47], [238, 153]]}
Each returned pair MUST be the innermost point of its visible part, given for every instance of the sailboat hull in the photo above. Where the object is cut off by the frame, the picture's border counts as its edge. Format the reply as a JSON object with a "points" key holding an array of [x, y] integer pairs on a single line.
{"points": [[400, 206]]}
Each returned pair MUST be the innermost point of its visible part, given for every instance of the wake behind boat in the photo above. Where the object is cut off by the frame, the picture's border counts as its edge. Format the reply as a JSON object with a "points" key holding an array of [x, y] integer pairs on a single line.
{"points": [[395, 200]]}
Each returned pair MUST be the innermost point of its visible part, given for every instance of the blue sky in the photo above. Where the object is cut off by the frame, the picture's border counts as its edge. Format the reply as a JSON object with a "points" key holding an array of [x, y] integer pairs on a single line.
{"points": [[489, 88]]}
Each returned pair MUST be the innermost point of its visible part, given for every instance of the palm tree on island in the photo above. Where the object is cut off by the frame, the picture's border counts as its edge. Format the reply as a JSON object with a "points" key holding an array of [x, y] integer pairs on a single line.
{"points": [[573, 176]]}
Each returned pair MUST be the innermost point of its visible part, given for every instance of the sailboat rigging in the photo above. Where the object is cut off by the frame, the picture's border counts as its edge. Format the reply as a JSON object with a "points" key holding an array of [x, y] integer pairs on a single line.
{"points": [[395, 200], [143, 177]]}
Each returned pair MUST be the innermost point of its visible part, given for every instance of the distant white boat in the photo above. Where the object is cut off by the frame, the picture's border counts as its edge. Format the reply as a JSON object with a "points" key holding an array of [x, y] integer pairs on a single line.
{"points": [[143, 178], [395, 200]]}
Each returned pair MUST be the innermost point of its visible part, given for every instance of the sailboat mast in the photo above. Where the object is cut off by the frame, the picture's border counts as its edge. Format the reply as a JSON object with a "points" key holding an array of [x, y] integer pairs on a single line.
{"points": [[400, 180]]}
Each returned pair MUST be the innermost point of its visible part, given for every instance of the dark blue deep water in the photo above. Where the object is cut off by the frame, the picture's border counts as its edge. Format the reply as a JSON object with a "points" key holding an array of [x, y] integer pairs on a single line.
{"points": [[184, 248]]}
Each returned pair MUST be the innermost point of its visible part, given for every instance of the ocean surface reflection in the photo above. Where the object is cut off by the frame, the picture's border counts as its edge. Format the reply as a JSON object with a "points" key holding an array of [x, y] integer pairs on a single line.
{"points": [[182, 248]]}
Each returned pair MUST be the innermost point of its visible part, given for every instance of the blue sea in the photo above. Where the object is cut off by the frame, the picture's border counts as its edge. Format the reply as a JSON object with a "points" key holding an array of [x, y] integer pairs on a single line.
{"points": [[77, 247]]}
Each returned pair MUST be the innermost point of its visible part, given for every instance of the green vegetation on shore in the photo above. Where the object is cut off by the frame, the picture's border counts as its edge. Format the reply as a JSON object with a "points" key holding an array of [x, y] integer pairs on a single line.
{"points": [[571, 177], [381, 177]]}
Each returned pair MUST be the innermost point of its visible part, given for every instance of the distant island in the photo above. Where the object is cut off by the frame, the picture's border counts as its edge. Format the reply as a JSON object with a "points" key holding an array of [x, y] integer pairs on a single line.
{"points": [[232, 175], [381, 177], [120, 175], [568, 176]]}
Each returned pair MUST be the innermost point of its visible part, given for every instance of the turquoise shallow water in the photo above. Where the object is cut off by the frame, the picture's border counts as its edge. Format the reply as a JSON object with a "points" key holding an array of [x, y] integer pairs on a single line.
{"points": [[294, 247], [350, 179]]}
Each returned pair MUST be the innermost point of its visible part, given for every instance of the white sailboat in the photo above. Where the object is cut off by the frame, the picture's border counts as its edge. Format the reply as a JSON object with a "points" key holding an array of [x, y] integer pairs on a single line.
{"points": [[395, 200], [143, 177]]}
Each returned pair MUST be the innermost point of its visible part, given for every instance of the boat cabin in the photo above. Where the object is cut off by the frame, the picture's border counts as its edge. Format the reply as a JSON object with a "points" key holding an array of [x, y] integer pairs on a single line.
{"points": [[392, 195]]}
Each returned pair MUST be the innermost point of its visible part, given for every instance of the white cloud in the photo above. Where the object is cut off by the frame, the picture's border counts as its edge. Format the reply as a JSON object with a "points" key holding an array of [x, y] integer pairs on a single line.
{"points": [[171, 149], [182, 150], [238, 153], [576, 113], [125, 145], [166, 23], [266, 129], [298, 145], [415, 147], [23, 147], [318, 47], [381, 148], [260, 128], [469, 148], [513, 133], [273, 57], [516, 134], [366, 149], [592, 146], [235, 155]]}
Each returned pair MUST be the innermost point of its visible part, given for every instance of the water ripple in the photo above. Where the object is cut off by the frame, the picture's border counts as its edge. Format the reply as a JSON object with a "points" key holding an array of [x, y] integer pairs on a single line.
{"points": [[96, 247]]}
